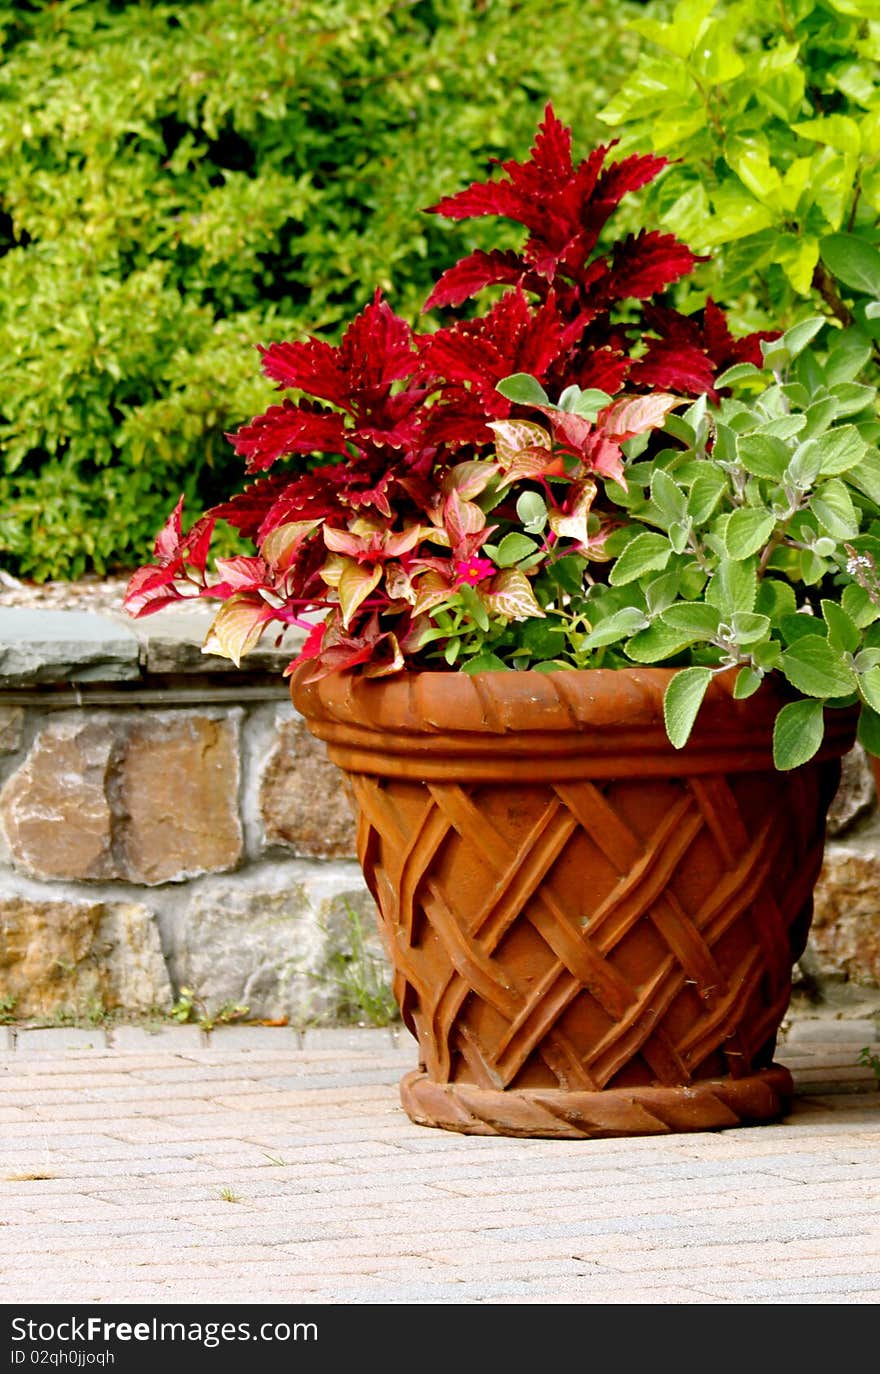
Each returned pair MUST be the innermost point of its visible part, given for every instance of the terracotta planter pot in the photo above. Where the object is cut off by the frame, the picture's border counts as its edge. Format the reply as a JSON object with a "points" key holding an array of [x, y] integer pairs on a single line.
{"points": [[592, 933]]}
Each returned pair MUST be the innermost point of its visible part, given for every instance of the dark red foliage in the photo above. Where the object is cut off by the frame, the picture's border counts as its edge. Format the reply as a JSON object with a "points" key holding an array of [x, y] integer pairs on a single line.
{"points": [[474, 272], [376, 350], [723, 348], [673, 366], [376, 421], [288, 429], [577, 283], [563, 205], [646, 263], [512, 337]]}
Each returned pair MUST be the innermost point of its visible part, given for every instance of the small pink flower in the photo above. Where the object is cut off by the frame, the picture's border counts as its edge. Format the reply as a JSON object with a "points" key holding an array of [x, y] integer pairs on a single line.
{"points": [[473, 570]]}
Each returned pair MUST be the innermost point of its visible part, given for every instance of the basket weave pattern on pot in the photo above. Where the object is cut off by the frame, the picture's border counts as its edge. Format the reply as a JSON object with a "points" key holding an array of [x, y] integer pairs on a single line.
{"points": [[603, 946]]}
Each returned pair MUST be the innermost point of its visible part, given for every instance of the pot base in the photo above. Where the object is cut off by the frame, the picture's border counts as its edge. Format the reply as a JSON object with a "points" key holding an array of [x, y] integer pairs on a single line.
{"points": [[711, 1105]]}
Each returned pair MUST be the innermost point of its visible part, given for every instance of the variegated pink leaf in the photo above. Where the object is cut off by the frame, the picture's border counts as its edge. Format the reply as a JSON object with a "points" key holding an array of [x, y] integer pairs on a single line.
{"points": [[532, 462], [631, 415], [355, 585], [570, 521], [280, 545], [469, 479], [513, 437], [431, 590], [510, 595], [237, 626], [462, 518]]}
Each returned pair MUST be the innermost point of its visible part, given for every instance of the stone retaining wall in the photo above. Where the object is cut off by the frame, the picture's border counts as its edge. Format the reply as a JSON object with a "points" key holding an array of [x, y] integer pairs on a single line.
{"points": [[167, 822]]}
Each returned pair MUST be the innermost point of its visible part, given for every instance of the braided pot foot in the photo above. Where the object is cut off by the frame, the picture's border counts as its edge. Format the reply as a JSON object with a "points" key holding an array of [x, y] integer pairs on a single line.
{"points": [[710, 1105], [591, 932]]}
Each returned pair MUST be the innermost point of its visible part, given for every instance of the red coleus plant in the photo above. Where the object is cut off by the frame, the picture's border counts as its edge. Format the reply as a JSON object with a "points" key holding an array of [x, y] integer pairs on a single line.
{"points": [[406, 508]]}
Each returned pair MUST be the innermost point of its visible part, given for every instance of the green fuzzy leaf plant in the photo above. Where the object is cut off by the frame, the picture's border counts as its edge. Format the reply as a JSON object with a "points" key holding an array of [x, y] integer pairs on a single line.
{"points": [[749, 542]]}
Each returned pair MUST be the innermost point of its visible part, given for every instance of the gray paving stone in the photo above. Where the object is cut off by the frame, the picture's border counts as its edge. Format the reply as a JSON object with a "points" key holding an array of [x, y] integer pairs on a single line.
{"points": [[338, 1039], [157, 1039], [54, 1040], [258, 1039]]}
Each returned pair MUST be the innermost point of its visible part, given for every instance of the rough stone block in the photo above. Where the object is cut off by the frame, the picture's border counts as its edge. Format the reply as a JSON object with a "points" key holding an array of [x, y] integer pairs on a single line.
{"points": [[55, 810], [277, 941], [11, 728], [303, 799], [64, 646], [78, 957], [845, 933], [149, 799], [856, 795], [177, 797]]}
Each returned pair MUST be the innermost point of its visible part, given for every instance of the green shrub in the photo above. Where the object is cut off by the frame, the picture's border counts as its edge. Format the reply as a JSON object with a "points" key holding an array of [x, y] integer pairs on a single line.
{"points": [[772, 115], [182, 181]]}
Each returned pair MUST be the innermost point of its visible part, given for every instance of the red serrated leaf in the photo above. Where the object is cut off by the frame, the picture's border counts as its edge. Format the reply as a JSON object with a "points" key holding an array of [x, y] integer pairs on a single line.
{"points": [[546, 194], [368, 491], [471, 274], [311, 366], [603, 368], [551, 151], [629, 174], [459, 421], [247, 510], [402, 434], [689, 336], [288, 428], [723, 348], [148, 590], [481, 198], [716, 333], [674, 366], [647, 262], [511, 337], [376, 350]]}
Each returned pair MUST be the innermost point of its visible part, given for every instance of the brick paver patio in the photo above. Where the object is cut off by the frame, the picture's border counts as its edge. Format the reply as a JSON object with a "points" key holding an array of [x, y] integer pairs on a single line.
{"points": [[254, 1166]]}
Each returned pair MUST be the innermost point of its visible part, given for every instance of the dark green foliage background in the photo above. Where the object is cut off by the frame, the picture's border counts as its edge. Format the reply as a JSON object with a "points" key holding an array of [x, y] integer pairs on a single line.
{"points": [[179, 182]]}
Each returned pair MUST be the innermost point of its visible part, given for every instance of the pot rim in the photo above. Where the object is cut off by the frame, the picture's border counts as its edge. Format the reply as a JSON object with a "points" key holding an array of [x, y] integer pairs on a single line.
{"points": [[597, 722]]}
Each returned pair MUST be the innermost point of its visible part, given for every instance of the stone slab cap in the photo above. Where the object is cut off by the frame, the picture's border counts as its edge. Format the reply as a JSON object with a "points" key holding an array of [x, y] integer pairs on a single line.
{"points": [[64, 646], [171, 642]]}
